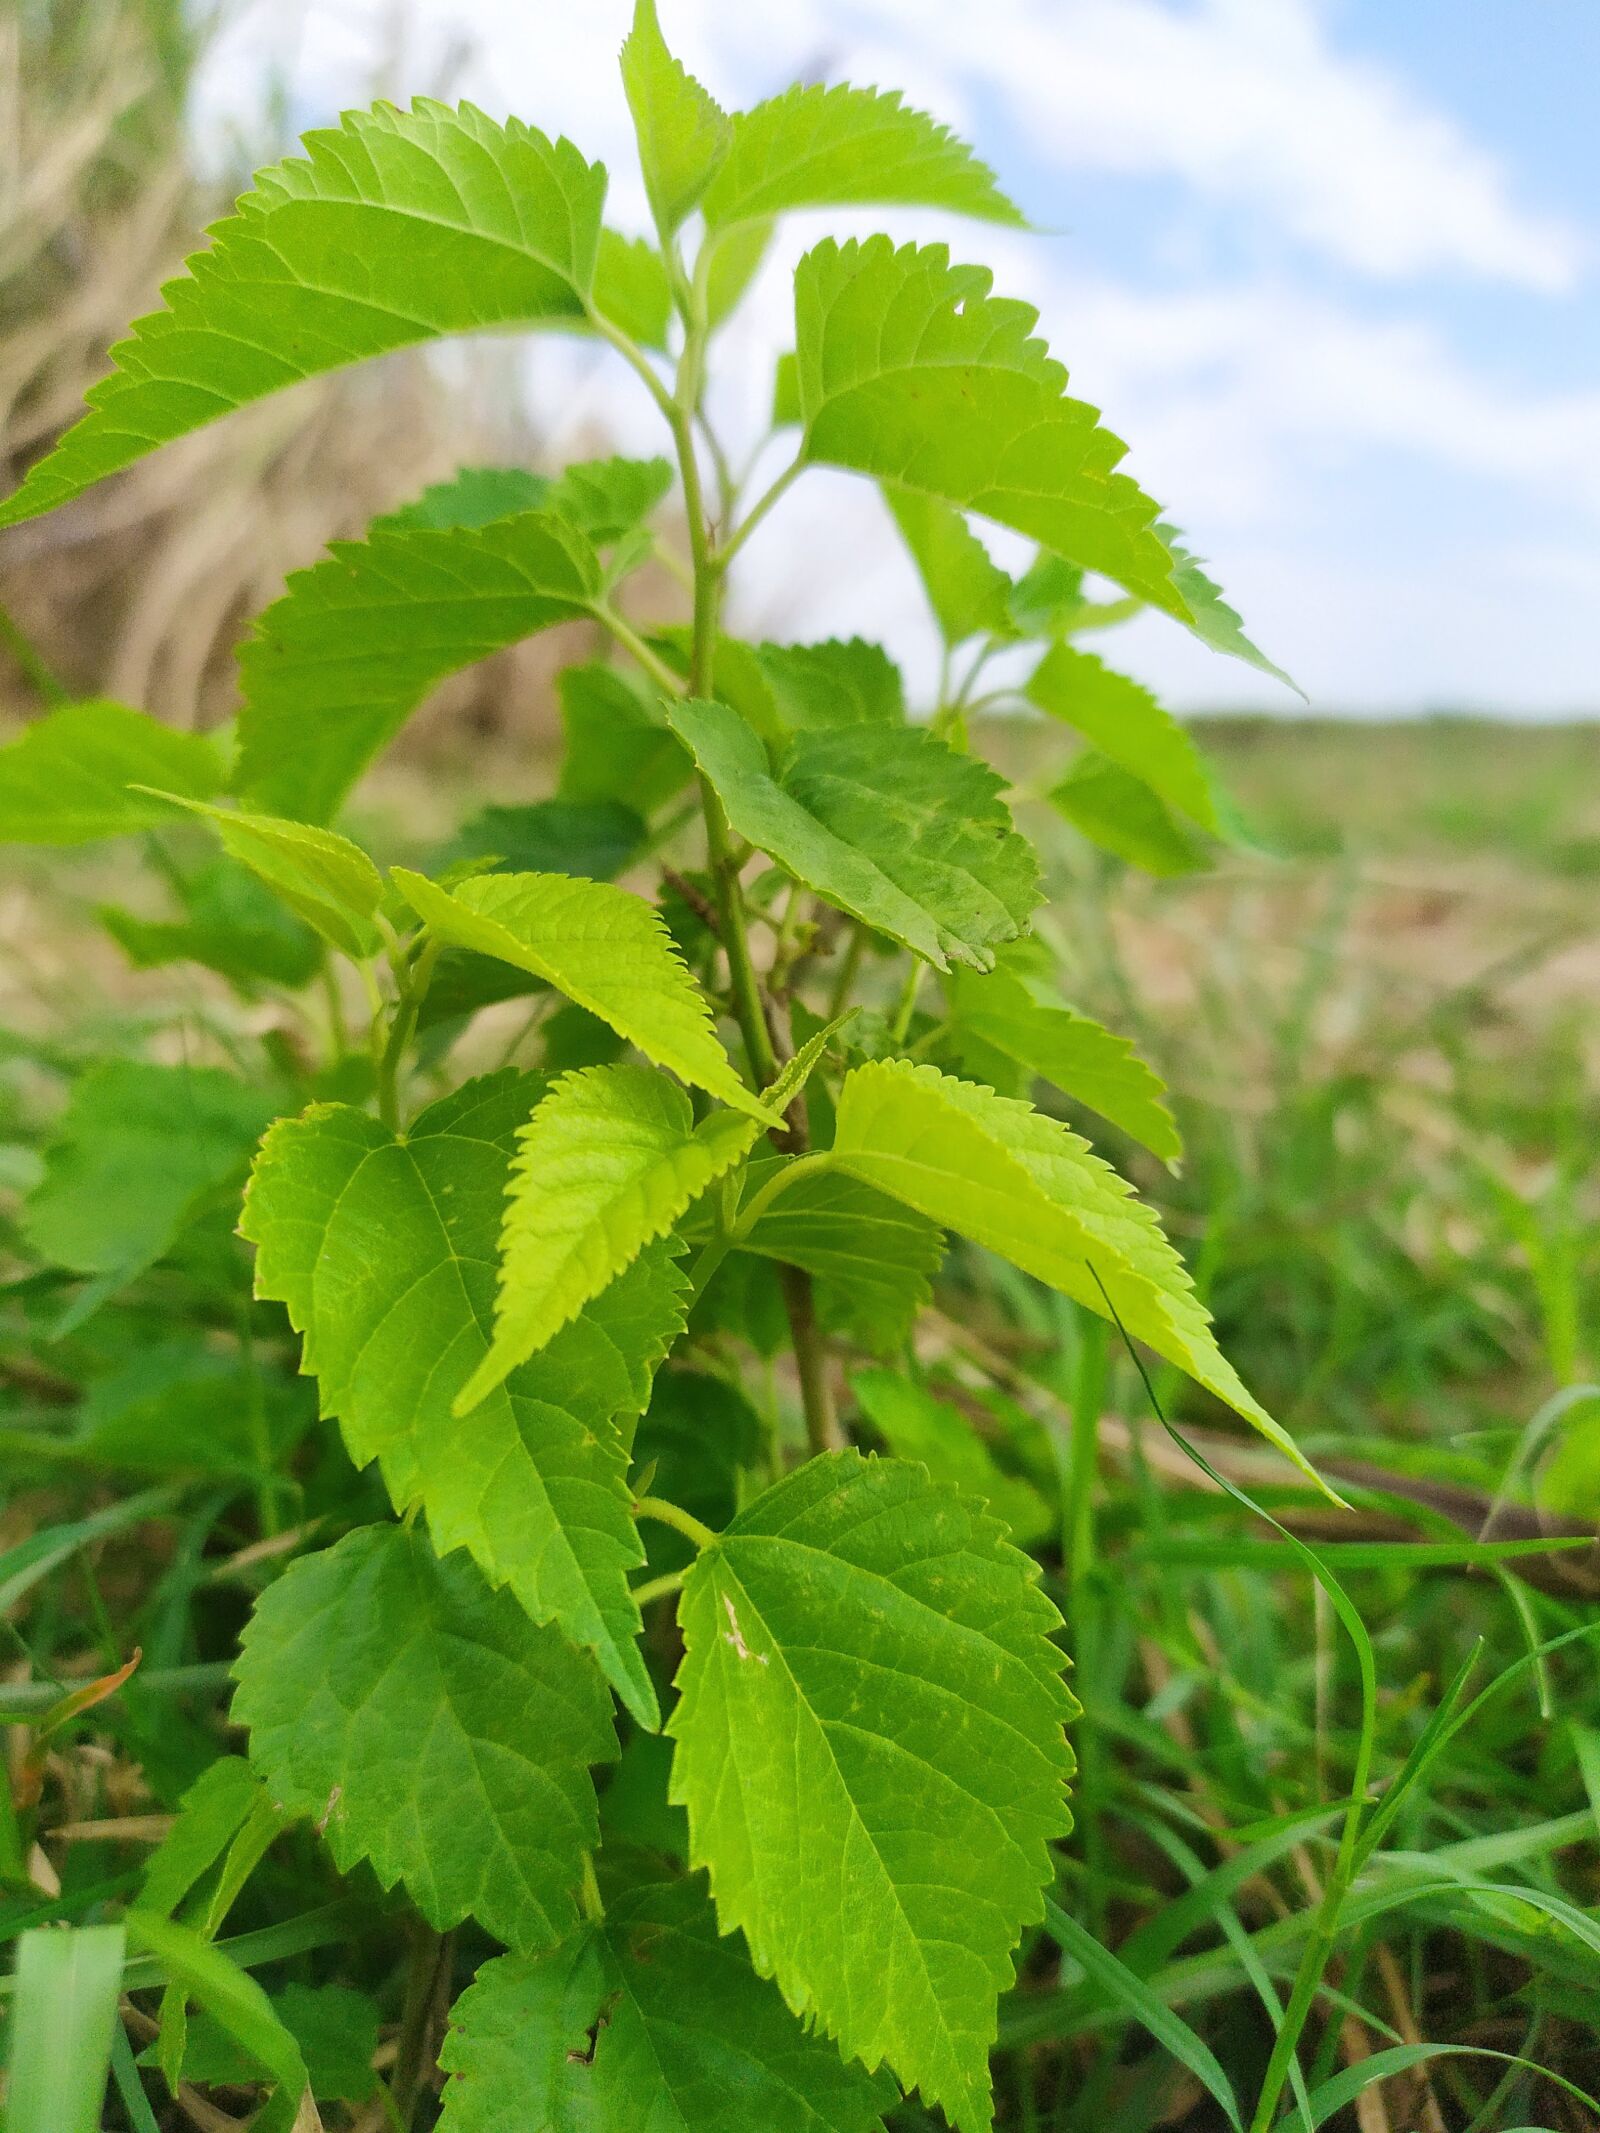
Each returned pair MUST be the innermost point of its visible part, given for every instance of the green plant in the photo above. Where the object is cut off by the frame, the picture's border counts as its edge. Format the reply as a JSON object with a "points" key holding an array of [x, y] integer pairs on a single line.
{"points": [[582, 1321]]}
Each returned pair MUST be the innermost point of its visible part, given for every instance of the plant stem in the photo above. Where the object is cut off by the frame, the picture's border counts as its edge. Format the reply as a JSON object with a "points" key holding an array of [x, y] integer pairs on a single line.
{"points": [[822, 1429], [658, 1588], [422, 2019], [674, 1515]]}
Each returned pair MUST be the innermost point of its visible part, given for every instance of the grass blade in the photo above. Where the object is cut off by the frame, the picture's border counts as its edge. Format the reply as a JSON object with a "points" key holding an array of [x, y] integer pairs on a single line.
{"points": [[67, 1985]]}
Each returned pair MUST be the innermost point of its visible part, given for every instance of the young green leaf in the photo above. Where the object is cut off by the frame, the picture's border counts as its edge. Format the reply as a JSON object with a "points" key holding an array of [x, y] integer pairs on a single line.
{"points": [[816, 146], [1121, 814], [910, 371], [683, 132], [1028, 1188], [322, 877], [648, 2020], [631, 289], [429, 1727], [139, 1151], [348, 1220], [1129, 728], [603, 947], [394, 227], [74, 775], [1008, 1027], [967, 590], [884, 821], [915, 1425], [840, 682], [338, 665], [603, 498], [607, 1163], [870, 1748]]}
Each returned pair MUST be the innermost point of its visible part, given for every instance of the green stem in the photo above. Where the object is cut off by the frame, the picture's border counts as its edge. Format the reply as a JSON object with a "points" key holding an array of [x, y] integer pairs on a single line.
{"points": [[414, 984], [36, 669], [658, 1588], [759, 509], [634, 645], [906, 1007], [822, 1428], [671, 1514], [422, 2019]]}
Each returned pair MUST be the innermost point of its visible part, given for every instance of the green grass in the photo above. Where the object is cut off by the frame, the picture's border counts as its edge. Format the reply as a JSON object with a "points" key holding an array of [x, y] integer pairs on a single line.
{"points": [[1383, 1044]]}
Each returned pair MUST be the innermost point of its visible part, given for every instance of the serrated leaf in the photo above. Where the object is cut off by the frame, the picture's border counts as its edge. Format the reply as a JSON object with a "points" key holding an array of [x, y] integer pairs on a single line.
{"points": [[393, 228], [916, 1425], [816, 146], [431, 1728], [650, 2020], [968, 591], [619, 747], [1003, 1022], [884, 821], [871, 1257], [386, 1252], [338, 665], [840, 682], [607, 1164], [603, 498], [1121, 814], [73, 776], [1032, 1190], [912, 372], [631, 289], [137, 1153], [683, 132], [1128, 726], [870, 1748], [594, 838], [603, 947], [324, 879], [473, 496]]}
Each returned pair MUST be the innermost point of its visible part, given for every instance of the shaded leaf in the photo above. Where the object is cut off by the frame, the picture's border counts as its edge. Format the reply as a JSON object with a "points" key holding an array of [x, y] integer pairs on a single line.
{"points": [[884, 821], [968, 591], [430, 1728], [1008, 1026], [840, 682], [1126, 724], [386, 1254], [916, 1425], [338, 665], [619, 747], [872, 1258], [138, 1152], [649, 2020], [1121, 814]]}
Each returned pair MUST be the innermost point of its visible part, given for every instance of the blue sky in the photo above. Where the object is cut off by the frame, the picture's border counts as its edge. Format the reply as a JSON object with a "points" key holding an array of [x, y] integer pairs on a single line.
{"points": [[1331, 266]]}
